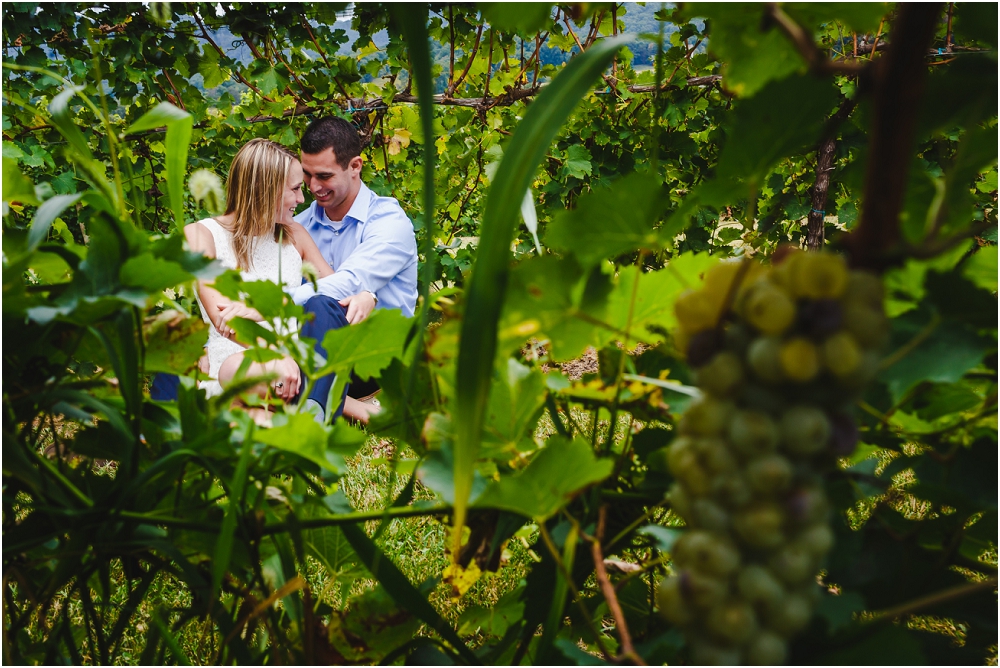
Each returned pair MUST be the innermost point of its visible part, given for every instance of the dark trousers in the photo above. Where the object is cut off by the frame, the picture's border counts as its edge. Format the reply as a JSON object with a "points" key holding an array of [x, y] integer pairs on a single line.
{"points": [[327, 314]]}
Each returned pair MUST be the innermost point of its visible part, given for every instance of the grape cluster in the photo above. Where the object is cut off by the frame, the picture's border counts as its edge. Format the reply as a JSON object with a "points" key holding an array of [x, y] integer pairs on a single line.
{"points": [[781, 354]]}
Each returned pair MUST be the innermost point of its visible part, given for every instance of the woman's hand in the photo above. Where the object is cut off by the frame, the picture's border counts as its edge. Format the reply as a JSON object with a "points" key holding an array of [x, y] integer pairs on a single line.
{"points": [[234, 310], [286, 386], [359, 306]]}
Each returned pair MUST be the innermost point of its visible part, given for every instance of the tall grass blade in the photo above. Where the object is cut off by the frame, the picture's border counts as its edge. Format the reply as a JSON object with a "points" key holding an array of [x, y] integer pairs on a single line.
{"points": [[179, 124], [401, 589], [488, 282]]}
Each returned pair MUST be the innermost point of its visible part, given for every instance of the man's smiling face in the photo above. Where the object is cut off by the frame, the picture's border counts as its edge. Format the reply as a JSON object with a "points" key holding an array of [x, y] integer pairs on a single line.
{"points": [[331, 185]]}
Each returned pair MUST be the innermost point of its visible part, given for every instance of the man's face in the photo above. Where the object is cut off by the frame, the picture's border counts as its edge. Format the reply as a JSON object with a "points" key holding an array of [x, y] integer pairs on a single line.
{"points": [[329, 183]]}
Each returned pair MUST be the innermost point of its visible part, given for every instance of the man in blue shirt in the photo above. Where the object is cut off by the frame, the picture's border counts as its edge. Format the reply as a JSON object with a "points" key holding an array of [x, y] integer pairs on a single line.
{"points": [[367, 239]]}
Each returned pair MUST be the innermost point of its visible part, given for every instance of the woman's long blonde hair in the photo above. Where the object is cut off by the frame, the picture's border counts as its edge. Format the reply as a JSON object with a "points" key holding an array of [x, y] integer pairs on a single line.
{"points": [[254, 192]]}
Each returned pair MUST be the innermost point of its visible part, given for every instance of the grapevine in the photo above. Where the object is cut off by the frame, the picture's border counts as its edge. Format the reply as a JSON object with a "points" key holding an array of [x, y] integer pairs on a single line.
{"points": [[782, 354]]}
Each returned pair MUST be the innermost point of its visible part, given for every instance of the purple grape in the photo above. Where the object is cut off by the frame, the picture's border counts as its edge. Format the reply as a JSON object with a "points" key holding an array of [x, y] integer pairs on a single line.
{"points": [[820, 318], [703, 346], [845, 434]]}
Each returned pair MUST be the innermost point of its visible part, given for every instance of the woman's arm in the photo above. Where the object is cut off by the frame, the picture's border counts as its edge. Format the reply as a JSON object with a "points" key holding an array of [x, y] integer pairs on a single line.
{"points": [[309, 251], [220, 309]]}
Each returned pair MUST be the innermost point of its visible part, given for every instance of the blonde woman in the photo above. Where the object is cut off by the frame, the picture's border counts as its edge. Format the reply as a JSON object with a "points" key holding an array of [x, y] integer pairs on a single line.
{"points": [[258, 236]]}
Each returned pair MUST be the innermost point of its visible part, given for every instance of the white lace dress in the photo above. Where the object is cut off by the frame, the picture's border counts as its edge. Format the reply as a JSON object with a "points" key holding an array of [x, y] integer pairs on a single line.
{"points": [[287, 272]]}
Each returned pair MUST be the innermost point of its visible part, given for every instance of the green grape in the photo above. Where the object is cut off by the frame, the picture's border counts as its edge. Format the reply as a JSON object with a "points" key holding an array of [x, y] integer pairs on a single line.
{"points": [[737, 338], [715, 455], [866, 324], [806, 506], [841, 355], [709, 515], [671, 601], [818, 275], [804, 430], [723, 374], [705, 653], [695, 312], [733, 490], [759, 586], [817, 539], [793, 563], [865, 372], [799, 360], [764, 358], [690, 472], [706, 417], [790, 616], [752, 433], [866, 288], [707, 553], [702, 591], [767, 649], [768, 308], [770, 474], [677, 453], [680, 502], [760, 525], [749, 483], [733, 622]]}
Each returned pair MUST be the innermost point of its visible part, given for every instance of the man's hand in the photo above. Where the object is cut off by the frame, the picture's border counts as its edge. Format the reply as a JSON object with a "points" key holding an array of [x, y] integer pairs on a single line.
{"points": [[234, 310], [359, 306]]}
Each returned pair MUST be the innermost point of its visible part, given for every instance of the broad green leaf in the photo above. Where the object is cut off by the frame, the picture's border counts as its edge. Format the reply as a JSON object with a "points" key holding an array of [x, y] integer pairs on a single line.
{"points": [[495, 619], [152, 274], [943, 356], [209, 68], [488, 282], [860, 17], [551, 297], [578, 161], [16, 186], [752, 54], [516, 400], [891, 645], [663, 537], [369, 346], [174, 342], [179, 124], [651, 302], [978, 21], [299, 434], [522, 17], [839, 611], [610, 221], [266, 297], [945, 399], [981, 268], [783, 118], [50, 209], [557, 473]]}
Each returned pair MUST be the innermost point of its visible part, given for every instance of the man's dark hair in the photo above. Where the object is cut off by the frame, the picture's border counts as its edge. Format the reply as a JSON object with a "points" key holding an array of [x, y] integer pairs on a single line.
{"points": [[335, 133]]}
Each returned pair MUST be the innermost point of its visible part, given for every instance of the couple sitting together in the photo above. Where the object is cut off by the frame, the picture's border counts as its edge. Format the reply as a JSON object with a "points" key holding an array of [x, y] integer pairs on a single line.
{"points": [[362, 245]]}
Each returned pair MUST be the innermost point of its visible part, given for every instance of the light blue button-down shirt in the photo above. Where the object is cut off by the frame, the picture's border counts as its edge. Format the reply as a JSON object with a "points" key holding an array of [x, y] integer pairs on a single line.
{"points": [[373, 248]]}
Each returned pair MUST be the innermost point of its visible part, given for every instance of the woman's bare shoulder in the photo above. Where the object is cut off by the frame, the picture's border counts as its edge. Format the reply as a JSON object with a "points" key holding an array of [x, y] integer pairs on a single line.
{"points": [[200, 239]]}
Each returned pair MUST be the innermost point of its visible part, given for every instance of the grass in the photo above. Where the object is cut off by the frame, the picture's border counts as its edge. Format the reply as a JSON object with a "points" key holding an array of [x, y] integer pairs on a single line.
{"points": [[418, 547]]}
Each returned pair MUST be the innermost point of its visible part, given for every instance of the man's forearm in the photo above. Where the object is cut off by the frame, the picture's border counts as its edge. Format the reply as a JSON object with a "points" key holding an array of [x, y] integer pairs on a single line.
{"points": [[340, 285]]}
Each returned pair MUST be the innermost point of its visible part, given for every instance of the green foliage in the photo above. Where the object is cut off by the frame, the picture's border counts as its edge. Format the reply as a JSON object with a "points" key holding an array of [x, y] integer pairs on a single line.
{"points": [[638, 195]]}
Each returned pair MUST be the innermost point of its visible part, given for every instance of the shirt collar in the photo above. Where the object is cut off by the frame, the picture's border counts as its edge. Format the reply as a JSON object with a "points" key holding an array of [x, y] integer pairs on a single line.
{"points": [[358, 211]]}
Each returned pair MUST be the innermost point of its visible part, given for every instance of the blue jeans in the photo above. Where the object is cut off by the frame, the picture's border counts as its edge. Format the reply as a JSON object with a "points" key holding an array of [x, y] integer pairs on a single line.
{"points": [[327, 313]]}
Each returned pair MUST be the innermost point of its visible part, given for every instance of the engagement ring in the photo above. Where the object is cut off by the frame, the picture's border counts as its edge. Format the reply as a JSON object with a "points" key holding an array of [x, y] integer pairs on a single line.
{"points": [[280, 384]]}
